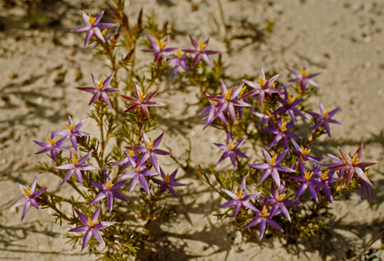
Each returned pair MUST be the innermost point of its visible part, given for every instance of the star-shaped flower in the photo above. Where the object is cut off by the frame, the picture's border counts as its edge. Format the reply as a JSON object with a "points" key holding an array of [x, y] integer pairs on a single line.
{"points": [[168, 182], [304, 78], [52, 146], [72, 131], [93, 26], [231, 150], [91, 227], [303, 153], [289, 105], [126, 161], [211, 110], [159, 48], [142, 101], [200, 52], [266, 119], [326, 178], [179, 60], [108, 190], [100, 90], [282, 133], [239, 199], [325, 118], [30, 196], [76, 166], [272, 166]]}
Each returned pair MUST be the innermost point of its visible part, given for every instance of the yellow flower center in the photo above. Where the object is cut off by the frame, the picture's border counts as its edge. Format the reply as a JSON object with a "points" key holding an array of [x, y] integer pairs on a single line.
{"points": [[324, 176], [280, 197], [179, 54], [242, 90], [305, 151], [231, 145], [202, 46], [69, 127], [27, 192], [264, 213], [304, 72], [273, 160], [269, 115], [108, 184], [137, 169], [326, 113], [367, 174], [228, 95], [52, 142], [91, 223], [150, 144], [261, 81], [307, 175], [290, 99], [166, 178], [74, 160], [141, 95], [104, 31], [239, 194], [283, 127], [213, 103], [160, 44], [100, 84], [131, 153], [272, 85], [91, 19], [355, 160]]}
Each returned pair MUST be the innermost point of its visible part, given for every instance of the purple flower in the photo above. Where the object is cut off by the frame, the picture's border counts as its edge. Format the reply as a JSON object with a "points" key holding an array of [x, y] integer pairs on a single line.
{"points": [[72, 131], [239, 199], [159, 48], [353, 165], [76, 167], [150, 151], [142, 101], [231, 150], [211, 110], [289, 103], [200, 52], [52, 146], [266, 119], [263, 218], [30, 196], [110, 38], [93, 26], [303, 153], [179, 60], [278, 202], [91, 227], [262, 86], [304, 78], [272, 166], [138, 174], [100, 90], [325, 118], [228, 100], [326, 179], [307, 181], [108, 190], [365, 187], [281, 133], [168, 182], [126, 160]]}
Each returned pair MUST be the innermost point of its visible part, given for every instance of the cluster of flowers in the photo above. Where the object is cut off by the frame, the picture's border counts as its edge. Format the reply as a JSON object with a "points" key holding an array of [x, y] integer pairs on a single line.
{"points": [[136, 156], [222, 108]]}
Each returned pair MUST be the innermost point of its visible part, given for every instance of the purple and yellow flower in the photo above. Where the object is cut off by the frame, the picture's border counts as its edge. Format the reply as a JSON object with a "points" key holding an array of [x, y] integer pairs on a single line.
{"points": [[159, 48], [93, 26], [266, 119], [353, 165], [228, 100], [365, 187], [126, 161], [30, 196], [91, 227], [150, 151], [289, 105], [168, 182], [282, 133], [303, 153], [76, 166], [179, 60], [200, 52], [52, 146], [263, 218], [72, 131], [278, 202], [138, 173], [272, 167], [326, 179], [239, 199], [142, 101], [100, 90], [211, 110], [304, 78], [262, 87], [325, 118], [108, 190], [231, 150]]}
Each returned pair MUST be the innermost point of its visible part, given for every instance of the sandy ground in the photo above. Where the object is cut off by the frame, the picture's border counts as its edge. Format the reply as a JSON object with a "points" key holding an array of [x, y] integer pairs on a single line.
{"points": [[342, 39]]}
